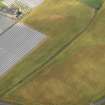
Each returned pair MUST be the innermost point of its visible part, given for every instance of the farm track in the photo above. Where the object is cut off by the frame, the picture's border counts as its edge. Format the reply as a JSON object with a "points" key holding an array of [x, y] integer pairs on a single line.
{"points": [[53, 56]]}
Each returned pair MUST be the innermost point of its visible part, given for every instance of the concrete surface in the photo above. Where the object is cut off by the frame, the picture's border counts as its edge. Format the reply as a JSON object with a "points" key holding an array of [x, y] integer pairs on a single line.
{"points": [[5, 22], [2, 103], [16, 43]]}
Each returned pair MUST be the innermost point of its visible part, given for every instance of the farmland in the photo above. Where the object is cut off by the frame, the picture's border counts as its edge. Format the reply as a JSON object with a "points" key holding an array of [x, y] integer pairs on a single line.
{"points": [[68, 69]]}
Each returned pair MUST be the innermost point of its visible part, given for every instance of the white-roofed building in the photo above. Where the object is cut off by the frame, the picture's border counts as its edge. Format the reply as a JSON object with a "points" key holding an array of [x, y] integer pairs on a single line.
{"points": [[29, 3]]}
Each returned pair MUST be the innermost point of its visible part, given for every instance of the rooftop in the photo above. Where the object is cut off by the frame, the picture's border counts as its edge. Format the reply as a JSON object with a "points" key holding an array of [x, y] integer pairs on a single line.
{"points": [[30, 3]]}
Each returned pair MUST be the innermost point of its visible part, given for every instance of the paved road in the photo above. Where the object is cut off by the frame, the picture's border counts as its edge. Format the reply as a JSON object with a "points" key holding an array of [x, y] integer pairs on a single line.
{"points": [[5, 22], [16, 43], [2, 103], [99, 102]]}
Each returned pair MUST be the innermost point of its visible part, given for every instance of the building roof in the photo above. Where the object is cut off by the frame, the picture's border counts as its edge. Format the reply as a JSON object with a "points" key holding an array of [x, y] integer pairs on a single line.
{"points": [[30, 3]]}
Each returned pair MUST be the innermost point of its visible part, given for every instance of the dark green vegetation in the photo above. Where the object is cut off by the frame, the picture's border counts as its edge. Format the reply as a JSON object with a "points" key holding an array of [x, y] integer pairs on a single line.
{"points": [[93, 3], [68, 69]]}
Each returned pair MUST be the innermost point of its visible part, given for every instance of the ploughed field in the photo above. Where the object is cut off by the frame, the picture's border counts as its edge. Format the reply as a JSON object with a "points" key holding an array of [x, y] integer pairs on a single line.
{"points": [[69, 68]]}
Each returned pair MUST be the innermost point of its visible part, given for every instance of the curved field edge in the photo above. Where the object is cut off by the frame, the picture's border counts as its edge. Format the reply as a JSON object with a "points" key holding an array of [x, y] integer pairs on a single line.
{"points": [[75, 76], [60, 26]]}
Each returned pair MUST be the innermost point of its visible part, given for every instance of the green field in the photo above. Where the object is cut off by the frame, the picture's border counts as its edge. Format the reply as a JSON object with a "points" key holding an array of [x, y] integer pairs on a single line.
{"points": [[68, 69], [1, 4]]}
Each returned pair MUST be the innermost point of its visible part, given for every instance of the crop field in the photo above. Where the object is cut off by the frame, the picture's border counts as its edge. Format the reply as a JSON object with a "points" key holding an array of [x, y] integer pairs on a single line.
{"points": [[69, 67]]}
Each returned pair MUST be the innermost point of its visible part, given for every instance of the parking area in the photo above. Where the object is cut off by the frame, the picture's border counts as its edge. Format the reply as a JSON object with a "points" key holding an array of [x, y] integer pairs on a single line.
{"points": [[5, 23], [16, 40], [16, 43]]}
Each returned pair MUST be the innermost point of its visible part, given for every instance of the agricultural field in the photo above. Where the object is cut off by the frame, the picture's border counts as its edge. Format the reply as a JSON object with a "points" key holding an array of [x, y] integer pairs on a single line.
{"points": [[69, 67]]}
